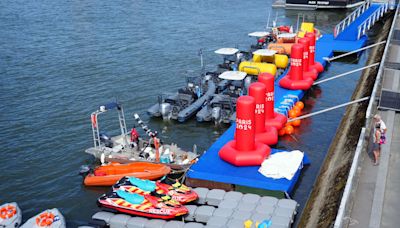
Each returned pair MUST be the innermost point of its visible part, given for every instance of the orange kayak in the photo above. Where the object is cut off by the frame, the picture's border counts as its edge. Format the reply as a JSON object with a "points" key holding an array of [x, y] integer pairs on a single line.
{"points": [[108, 175]]}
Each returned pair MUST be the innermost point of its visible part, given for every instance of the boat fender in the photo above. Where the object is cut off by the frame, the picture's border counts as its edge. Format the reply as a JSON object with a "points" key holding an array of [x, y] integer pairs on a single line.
{"points": [[7, 211], [102, 158]]}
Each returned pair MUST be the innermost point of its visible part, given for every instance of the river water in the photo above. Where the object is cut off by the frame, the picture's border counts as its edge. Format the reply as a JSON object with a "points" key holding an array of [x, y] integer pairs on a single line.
{"points": [[60, 60]]}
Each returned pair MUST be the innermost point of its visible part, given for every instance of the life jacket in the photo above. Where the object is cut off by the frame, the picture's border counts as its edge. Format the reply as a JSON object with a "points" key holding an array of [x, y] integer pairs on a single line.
{"points": [[134, 135]]}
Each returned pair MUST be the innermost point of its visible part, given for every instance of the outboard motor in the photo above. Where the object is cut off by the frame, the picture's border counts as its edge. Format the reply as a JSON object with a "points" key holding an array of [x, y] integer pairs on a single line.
{"points": [[190, 86], [247, 82], [84, 170], [165, 110], [106, 139], [216, 114]]}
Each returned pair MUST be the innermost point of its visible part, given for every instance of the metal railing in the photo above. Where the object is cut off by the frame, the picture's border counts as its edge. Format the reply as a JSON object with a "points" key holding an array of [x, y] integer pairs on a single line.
{"points": [[370, 21], [348, 194], [342, 25]]}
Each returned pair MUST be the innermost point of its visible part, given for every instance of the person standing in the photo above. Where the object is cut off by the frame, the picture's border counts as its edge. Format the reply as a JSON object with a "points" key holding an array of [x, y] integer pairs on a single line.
{"points": [[377, 143], [378, 121]]}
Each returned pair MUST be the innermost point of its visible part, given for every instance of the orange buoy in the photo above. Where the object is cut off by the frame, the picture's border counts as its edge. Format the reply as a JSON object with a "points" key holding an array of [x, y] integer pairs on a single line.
{"points": [[282, 132], [296, 123], [292, 113], [289, 129], [299, 104], [297, 110]]}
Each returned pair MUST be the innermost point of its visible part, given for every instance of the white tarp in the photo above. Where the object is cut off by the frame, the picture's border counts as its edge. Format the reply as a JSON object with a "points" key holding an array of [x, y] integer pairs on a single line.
{"points": [[282, 164]]}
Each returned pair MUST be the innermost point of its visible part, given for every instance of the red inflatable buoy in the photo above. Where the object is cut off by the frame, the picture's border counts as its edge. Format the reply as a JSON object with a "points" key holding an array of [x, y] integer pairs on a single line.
{"points": [[265, 134], [272, 118], [244, 150], [307, 71], [312, 63], [294, 79]]}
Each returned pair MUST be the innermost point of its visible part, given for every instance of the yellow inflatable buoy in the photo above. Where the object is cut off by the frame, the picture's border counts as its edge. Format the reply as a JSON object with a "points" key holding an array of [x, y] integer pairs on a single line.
{"points": [[281, 61], [253, 68]]}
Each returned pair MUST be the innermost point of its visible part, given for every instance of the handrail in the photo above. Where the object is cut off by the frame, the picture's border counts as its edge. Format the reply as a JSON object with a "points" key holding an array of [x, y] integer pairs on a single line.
{"points": [[347, 198], [366, 25], [350, 18]]}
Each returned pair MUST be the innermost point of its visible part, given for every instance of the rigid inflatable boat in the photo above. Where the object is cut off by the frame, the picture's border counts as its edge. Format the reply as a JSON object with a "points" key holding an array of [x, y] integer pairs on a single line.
{"points": [[10, 215], [129, 146], [186, 102], [175, 190], [140, 205], [223, 105], [107, 175]]}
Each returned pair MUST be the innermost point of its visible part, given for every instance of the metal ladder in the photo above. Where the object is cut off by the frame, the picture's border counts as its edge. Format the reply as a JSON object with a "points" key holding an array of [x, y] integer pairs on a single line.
{"points": [[342, 25], [95, 129], [122, 125]]}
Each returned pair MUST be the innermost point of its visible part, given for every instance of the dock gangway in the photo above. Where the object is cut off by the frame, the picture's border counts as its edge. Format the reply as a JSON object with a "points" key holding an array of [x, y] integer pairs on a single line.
{"points": [[357, 24]]}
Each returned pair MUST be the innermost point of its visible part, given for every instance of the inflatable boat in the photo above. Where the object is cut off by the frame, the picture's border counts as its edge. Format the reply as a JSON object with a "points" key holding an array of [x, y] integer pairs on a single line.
{"points": [[263, 39], [10, 215], [128, 147], [223, 105], [140, 205], [175, 191], [186, 102], [107, 175], [51, 218]]}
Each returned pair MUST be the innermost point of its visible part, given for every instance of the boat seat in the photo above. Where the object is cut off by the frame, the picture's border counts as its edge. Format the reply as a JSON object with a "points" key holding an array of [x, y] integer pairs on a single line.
{"points": [[145, 185], [132, 198]]}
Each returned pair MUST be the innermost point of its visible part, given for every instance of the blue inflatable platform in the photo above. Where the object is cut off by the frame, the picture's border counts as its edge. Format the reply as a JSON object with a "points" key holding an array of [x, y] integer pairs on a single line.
{"points": [[211, 168]]}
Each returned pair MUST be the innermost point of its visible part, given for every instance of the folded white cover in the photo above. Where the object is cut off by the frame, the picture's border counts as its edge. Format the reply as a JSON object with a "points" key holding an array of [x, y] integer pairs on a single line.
{"points": [[282, 164]]}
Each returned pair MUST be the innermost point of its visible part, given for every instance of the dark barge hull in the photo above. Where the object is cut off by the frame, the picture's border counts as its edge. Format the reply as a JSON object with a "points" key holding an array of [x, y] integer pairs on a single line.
{"points": [[318, 4]]}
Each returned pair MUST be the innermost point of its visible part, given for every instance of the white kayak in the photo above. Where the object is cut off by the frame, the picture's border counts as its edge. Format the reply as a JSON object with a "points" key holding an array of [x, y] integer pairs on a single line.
{"points": [[51, 218], [10, 215]]}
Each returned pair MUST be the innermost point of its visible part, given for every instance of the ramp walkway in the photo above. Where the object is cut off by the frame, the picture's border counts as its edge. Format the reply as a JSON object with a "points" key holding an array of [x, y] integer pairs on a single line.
{"points": [[351, 31], [356, 24]]}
